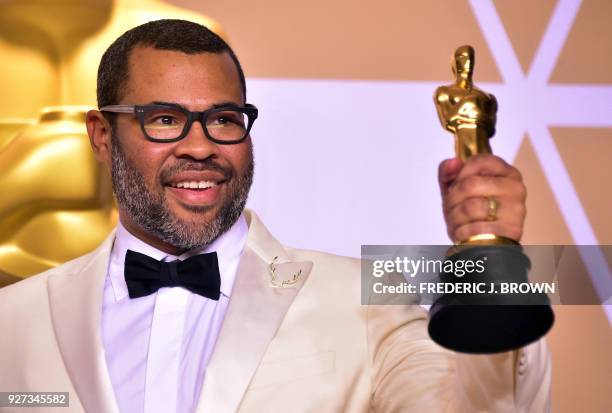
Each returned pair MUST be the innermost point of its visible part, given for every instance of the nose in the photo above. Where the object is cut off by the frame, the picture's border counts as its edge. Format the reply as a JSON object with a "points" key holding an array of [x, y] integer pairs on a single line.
{"points": [[196, 145]]}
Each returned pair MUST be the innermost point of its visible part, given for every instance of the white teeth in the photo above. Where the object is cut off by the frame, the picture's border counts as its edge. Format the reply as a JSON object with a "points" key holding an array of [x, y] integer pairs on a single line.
{"points": [[195, 184]]}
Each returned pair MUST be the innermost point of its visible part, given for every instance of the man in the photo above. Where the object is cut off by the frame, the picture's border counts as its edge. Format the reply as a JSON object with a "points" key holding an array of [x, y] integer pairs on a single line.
{"points": [[127, 328]]}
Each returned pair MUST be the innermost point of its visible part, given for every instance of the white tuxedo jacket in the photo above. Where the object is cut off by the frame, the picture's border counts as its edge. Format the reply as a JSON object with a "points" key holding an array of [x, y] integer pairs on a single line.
{"points": [[305, 347]]}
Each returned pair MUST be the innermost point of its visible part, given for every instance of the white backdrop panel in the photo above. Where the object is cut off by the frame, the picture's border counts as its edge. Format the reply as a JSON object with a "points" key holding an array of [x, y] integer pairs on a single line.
{"points": [[345, 163]]}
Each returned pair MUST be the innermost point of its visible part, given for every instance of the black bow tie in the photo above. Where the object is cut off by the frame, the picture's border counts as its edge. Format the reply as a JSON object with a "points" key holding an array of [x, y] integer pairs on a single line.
{"points": [[199, 274]]}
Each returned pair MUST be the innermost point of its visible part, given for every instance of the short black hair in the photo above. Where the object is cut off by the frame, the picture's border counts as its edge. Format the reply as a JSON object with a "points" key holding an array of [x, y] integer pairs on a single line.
{"points": [[168, 34]]}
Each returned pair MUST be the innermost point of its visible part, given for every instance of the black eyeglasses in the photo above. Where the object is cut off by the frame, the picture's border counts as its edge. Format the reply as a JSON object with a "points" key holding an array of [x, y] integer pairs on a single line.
{"points": [[169, 123]]}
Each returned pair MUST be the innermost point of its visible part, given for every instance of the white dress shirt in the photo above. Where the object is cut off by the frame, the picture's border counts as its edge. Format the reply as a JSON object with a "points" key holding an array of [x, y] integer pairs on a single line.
{"points": [[157, 347]]}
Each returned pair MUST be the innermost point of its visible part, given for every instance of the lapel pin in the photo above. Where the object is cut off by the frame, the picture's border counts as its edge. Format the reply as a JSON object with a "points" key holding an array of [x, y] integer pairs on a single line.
{"points": [[274, 275]]}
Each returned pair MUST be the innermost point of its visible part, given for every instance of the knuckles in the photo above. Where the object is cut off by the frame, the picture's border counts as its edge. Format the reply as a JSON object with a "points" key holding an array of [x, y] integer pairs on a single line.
{"points": [[470, 218], [519, 210], [510, 228], [465, 202], [473, 208], [470, 186]]}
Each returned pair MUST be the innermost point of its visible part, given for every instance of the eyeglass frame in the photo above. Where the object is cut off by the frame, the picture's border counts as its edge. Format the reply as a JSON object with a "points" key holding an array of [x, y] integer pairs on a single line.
{"points": [[139, 110]]}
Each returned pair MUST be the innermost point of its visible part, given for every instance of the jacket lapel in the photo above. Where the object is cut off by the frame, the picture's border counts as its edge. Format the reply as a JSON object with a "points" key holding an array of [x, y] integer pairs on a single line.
{"points": [[258, 304], [76, 306], [266, 284]]}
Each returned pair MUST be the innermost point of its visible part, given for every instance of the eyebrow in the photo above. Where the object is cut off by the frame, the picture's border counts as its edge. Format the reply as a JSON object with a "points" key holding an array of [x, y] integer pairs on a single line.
{"points": [[224, 104]]}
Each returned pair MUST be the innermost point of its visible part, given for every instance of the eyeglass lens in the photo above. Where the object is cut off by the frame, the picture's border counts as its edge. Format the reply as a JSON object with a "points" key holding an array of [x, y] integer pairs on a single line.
{"points": [[169, 123]]}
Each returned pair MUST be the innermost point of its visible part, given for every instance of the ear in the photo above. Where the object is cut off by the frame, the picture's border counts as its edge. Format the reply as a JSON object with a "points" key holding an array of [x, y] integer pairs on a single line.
{"points": [[99, 132]]}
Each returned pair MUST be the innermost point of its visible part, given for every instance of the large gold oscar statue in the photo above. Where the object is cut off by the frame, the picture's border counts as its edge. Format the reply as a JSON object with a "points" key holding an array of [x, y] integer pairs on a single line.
{"points": [[56, 201], [484, 322], [470, 114], [465, 110]]}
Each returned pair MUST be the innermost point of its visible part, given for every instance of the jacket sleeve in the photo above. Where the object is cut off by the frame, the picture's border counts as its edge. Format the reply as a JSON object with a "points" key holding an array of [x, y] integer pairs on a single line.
{"points": [[410, 373]]}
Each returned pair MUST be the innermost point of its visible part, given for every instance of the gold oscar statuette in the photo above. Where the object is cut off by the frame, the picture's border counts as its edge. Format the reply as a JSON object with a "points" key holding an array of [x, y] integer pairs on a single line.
{"points": [[489, 322], [470, 114], [465, 110]]}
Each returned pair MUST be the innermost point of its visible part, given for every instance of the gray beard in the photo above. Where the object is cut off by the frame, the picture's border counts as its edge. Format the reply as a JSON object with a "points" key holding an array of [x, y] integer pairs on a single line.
{"points": [[149, 210]]}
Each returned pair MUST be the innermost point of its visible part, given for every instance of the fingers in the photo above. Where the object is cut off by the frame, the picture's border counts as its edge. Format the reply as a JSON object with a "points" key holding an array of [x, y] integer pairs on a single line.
{"points": [[476, 210], [448, 170], [483, 186], [471, 210], [466, 188], [505, 229], [487, 164]]}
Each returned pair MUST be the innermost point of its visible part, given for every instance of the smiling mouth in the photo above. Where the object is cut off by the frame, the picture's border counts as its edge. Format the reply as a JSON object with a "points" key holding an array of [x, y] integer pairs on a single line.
{"points": [[195, 185]]}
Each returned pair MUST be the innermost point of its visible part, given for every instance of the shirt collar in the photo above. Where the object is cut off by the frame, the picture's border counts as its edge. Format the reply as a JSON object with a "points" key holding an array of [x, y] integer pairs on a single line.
{"points": [[228, 247]]}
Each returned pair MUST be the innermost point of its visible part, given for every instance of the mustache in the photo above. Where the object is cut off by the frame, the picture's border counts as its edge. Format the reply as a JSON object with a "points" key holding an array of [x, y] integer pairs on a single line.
{"points": [[199, 166]]}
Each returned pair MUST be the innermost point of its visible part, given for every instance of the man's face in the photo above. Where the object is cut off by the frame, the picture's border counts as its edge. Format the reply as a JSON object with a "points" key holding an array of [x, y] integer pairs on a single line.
{"points": [[146, 175]]}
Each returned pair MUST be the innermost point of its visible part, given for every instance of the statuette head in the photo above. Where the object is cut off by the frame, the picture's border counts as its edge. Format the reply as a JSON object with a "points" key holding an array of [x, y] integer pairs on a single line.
{"points": [[463, 63]]}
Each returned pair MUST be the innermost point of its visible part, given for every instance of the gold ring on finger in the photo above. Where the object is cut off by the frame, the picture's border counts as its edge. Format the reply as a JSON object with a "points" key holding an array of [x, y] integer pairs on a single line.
{"points": [[492, 210]]}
